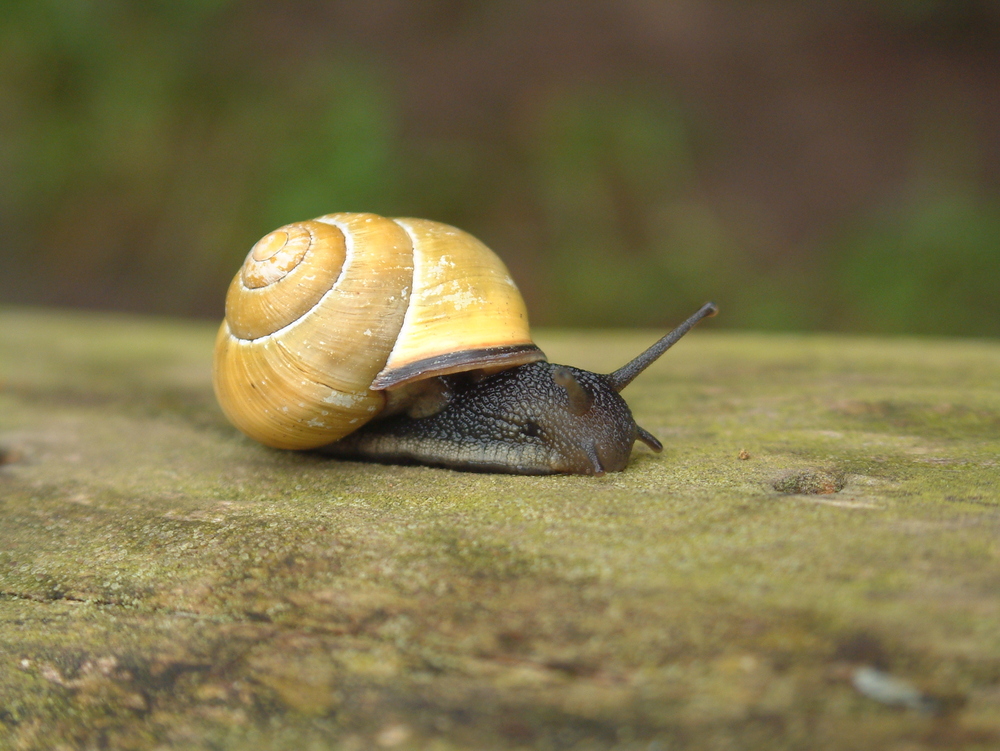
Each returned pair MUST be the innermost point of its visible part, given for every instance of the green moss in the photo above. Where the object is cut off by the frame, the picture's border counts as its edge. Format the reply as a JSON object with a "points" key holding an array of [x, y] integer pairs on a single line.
{"points": [[166, 581]]}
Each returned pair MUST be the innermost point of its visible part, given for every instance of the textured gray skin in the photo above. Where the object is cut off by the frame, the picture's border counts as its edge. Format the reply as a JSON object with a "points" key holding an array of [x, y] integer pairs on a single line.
{"points": [[518, 421], [534, 419]]}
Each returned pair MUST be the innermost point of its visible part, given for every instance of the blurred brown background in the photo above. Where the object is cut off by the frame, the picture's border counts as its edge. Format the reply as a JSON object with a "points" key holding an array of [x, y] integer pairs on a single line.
{"points": [[808, 165]]}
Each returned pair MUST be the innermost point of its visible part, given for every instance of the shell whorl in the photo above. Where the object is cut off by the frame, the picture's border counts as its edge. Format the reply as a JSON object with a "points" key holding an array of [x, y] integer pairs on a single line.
{"points": [[326, 313]]}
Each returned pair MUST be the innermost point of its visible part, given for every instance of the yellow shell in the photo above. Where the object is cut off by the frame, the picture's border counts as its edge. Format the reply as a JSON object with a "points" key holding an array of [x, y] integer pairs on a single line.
{"points": [[326, 314]]}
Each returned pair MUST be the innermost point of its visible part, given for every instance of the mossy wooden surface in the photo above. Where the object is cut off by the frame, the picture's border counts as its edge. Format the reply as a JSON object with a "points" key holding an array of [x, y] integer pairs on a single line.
{"points": [[165, 582]]}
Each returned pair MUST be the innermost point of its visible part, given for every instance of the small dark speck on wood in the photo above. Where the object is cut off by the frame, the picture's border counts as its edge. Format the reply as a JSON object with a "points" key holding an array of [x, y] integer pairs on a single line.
{"points": [[9, 455]]}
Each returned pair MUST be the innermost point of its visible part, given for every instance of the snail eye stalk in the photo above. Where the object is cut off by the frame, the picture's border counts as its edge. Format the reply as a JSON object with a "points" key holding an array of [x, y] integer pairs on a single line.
{"points": [[628, 372]]}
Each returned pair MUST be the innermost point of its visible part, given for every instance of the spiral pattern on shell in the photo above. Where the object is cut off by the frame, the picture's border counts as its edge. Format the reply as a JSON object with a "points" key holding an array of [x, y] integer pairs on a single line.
{"points": [[326, 314]]}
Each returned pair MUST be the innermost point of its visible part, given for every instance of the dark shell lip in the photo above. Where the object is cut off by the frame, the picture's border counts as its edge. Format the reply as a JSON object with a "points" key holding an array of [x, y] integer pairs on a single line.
{"points": [[507, 356]]}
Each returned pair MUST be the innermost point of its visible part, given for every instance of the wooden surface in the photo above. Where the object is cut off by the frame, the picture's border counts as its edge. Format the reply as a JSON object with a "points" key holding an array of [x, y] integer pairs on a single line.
{"points": [[813, 562]]}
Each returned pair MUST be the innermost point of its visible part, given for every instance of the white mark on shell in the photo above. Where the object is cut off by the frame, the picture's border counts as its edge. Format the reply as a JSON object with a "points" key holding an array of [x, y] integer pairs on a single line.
{"points": [[463, 299], [341, 399]]}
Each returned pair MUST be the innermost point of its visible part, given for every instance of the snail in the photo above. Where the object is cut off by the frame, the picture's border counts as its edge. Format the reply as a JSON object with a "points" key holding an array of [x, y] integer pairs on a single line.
{"points": [[406, 341]]}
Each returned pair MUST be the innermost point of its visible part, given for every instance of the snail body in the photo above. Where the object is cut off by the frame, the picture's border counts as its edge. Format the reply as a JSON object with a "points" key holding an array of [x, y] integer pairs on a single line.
{"points": [[406, 340]]}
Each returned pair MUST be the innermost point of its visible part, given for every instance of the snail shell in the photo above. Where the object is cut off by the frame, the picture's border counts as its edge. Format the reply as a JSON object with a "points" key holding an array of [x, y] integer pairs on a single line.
{"points": [[327, 315]]}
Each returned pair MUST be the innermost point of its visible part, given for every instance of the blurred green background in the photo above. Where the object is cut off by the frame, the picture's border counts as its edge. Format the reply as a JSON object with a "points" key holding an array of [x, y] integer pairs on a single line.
{"points": [[807, 165]]}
